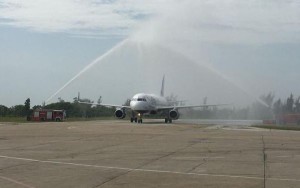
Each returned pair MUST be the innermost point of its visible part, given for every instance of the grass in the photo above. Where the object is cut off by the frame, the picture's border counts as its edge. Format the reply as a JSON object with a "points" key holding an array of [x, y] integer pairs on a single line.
{"points": [[279, 127], [13, 119]]}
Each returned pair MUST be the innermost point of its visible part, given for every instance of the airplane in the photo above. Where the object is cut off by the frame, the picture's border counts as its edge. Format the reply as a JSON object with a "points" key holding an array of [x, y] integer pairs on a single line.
{"points": [[142, 104]]}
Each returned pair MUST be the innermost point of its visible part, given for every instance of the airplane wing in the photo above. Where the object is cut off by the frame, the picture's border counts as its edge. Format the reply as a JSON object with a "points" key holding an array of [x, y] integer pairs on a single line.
{"points": [[189, 106], [106, 105]]}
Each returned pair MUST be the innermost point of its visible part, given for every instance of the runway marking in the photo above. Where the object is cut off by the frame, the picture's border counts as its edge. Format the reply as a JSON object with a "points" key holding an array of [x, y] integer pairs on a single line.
{"points": [[146, 170], [285, 156], [197, 158], [16, 182]]}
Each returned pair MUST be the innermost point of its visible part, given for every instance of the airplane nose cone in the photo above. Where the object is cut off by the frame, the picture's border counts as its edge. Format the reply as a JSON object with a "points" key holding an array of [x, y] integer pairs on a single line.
{"points": [[138, 106]]}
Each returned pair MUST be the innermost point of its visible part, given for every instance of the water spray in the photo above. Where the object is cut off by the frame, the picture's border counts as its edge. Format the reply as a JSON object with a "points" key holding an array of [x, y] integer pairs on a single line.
{"points": [[220, 74], [99, 59]]}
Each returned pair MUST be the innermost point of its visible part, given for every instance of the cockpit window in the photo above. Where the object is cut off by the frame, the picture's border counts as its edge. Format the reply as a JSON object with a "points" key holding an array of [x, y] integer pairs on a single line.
{"points": [[138, 99]]}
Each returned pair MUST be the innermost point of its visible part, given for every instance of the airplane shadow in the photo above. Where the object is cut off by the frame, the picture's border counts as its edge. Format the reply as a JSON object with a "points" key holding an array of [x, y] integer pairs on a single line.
{"points": [[152, 122]]}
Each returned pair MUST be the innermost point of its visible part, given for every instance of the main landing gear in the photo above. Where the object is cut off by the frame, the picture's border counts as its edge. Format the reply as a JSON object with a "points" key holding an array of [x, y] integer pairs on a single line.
{"points": [[133, 119], [168, 120]]}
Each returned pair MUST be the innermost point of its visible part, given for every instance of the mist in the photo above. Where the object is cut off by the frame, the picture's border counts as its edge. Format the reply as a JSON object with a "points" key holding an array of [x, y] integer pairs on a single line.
{"points": [[229, 52]]}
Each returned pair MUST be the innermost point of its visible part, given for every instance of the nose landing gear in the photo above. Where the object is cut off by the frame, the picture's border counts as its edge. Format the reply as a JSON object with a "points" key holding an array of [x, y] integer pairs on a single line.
{"points": [[136, 119], [140, 118]]}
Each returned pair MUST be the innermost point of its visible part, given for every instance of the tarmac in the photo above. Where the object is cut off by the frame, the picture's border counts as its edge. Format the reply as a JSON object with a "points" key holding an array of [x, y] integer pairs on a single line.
{"points": [[113, 154]]}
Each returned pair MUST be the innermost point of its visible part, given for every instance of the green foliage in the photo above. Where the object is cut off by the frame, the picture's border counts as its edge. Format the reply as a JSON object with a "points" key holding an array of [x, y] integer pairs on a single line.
{"points": [[290, 104], [13, 119], [18, 110], [27, 107], [4, 111], [36, 107], [278, 107], [76, 109]]}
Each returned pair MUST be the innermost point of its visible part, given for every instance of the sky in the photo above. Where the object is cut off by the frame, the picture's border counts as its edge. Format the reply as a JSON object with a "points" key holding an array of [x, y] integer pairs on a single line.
{"points": [[223, 50]]}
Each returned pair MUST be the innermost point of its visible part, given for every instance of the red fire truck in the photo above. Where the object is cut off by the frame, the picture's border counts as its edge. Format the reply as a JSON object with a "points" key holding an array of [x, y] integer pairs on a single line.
{"points": [[288, 119], [48, 115]]}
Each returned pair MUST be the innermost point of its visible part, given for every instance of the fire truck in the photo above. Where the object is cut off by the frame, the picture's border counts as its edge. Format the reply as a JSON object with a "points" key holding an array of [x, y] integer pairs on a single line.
{"points": [[288, 119], [47, 115]]}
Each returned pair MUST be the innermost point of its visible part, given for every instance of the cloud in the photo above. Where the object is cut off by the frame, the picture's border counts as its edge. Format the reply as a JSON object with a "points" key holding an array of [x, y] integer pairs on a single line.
{"points": [[232, 21], [210, 20], [100, 16]]}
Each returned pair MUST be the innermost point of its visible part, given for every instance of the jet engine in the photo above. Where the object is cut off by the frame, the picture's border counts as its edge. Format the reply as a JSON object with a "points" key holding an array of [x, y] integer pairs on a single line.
{"points": [[120, 113], [174, 114]]}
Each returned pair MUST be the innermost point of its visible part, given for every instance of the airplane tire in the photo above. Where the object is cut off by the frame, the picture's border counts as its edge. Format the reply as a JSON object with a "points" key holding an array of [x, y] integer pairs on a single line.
{"points": [[131, 120], [166, 120]]}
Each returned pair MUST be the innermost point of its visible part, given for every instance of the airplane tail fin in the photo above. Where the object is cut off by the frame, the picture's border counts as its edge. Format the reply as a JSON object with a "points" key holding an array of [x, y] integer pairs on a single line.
{"points": [[162, 91]]}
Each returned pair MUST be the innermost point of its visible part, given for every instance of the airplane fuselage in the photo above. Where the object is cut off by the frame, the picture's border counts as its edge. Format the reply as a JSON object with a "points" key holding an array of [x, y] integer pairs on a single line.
{"points": [[147, 103]]}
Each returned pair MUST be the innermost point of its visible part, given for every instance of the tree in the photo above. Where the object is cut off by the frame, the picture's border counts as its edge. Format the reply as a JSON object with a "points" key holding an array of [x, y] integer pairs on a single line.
{"points": [[27, 107], [17, 110], [297, 105], [3, 111], [37, 107], [85, 108], [290, 104], [60, 100], [278, 107]]}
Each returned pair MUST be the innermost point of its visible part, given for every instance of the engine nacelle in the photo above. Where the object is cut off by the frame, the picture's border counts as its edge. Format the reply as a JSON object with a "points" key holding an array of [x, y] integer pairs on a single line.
{"points": [[174, 114], [120, 113]]}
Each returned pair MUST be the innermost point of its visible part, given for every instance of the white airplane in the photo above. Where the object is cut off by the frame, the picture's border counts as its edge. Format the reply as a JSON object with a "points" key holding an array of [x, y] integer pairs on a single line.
{"points": [[141, 104]]}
